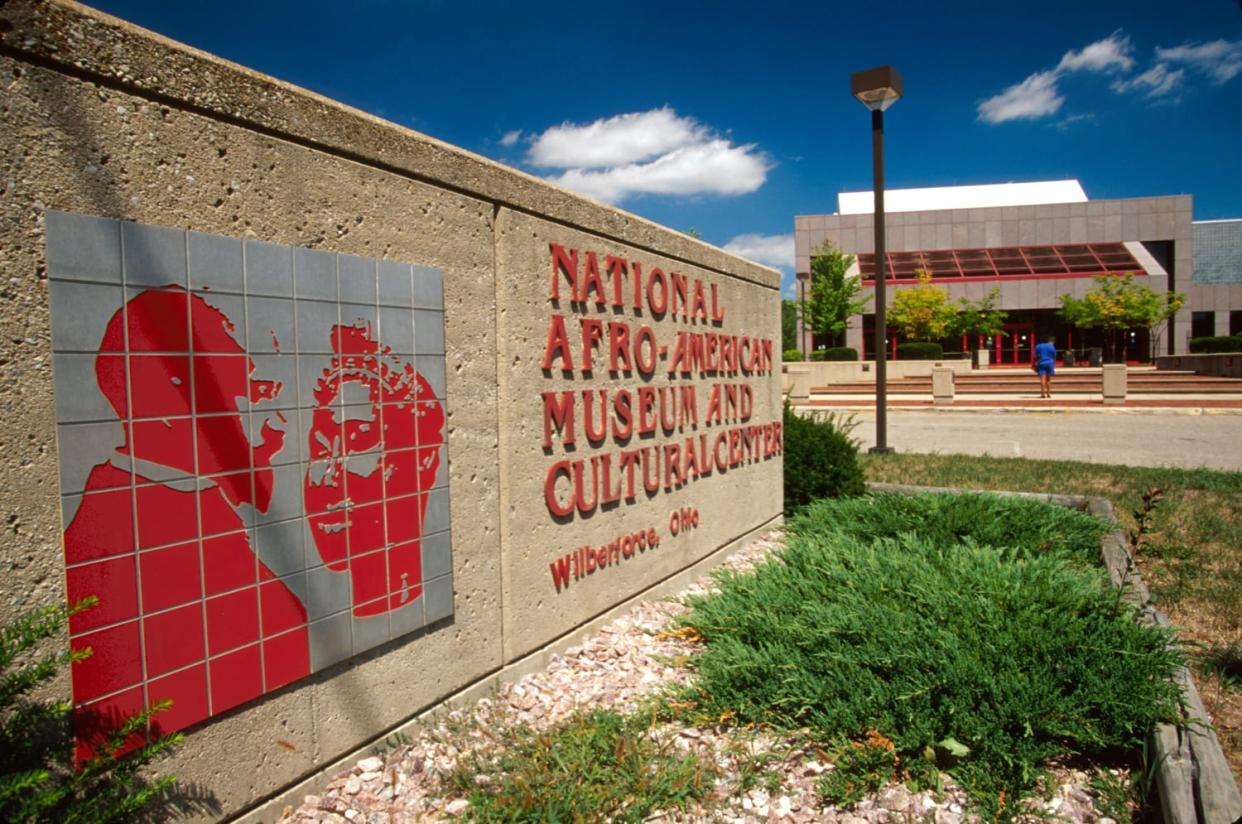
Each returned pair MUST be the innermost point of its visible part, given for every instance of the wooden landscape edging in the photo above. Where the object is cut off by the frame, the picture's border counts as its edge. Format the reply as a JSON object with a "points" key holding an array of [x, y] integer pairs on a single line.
{"points": [[1192, 776]]}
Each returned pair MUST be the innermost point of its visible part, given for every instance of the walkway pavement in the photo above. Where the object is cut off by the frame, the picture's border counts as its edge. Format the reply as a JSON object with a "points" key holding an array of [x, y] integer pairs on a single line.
{"points": [[1164, 437]]}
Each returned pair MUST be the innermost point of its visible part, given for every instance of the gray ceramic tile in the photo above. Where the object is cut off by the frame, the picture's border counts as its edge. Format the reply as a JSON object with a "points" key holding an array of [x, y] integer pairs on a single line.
{"points": [[216, 263], [356, 279], [271, 324], [429, 333], [438, 598], [281, 546], [233, 307], [331, 640], [396, 329], [310, 371], [436, 518], [315, 321], [83, 247], [269, 269], [291, 451], [83, 446], [431, 367], [314, 274], [309, 432], [370, 632], [80, 314], [428, 288], [442, 471], [286, 503], [153, 255], [437, 555], [280, 368], [354, 314], [366, 414], [77, 392], [395, 285], [327, 592], [407, 619]]}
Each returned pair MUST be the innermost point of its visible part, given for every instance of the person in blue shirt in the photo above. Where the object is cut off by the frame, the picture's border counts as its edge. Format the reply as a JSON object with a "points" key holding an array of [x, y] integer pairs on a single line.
{"points": [[1045, 359]]}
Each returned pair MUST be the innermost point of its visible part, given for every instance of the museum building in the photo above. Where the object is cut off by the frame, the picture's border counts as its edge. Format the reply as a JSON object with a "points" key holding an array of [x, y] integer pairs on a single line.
{"points": [[1034, 242]]}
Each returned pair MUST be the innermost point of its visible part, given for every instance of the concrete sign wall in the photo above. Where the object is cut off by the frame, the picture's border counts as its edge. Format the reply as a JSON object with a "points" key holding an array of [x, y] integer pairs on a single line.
{"points": [[337, 420]]}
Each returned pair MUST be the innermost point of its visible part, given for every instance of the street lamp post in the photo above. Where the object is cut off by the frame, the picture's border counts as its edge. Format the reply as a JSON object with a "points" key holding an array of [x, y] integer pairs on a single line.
{"points": [[877, 89], [804, 282]]}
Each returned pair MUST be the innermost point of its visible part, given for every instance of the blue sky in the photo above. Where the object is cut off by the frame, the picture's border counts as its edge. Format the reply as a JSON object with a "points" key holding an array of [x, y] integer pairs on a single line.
{"points": [[731, 118]]}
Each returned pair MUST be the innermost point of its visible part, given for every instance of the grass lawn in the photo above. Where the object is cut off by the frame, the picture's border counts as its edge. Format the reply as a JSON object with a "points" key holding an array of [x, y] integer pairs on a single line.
{"points": [[1189, 552]]}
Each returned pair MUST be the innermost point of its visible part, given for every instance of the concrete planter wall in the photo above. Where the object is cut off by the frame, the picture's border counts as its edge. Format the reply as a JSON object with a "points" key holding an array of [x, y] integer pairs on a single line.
{"points": [[1222, 365], [134, 160]]}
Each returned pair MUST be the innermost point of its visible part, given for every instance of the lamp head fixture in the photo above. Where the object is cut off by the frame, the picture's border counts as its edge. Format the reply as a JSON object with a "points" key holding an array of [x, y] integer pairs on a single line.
{"points": [[877, 88]]}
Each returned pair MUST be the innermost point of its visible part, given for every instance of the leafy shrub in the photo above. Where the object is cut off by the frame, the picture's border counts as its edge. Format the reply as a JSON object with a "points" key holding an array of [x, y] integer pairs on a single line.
{"points": [[985, 659], [1213, 345], [838, 353], [791, 355], [39, 780], [821, 459], [918, 350]]}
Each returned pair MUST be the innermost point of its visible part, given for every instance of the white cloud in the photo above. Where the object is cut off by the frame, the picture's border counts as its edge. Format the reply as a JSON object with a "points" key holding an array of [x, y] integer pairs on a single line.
{"points": [[1113, 52], [511, 138], [1038, 96], [655, 152], [770, 250], [715, 167], [1221, 60], [1035, 97], [1070, 120], [1157, 81], [615, 141]]}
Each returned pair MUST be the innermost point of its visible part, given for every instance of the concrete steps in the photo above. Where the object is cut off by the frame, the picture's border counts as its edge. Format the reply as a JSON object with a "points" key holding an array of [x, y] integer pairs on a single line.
{"points": [[1140, 381]]}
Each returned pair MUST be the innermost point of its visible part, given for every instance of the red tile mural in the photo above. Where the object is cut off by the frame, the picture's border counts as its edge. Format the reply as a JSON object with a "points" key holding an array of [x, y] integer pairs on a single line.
{"points": [[253, 462]]}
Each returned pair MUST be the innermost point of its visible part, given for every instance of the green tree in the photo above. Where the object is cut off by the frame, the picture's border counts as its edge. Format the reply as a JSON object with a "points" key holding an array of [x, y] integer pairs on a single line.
{"points": [[789, 325], [1117, 303], [833, 297], [980, 317], [922, 312]]}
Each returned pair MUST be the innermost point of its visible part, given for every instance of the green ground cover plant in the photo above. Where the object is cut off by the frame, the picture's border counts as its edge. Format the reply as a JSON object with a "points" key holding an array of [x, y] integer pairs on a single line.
{"points": [[972, 633], [597, 766], [1190, 554]]}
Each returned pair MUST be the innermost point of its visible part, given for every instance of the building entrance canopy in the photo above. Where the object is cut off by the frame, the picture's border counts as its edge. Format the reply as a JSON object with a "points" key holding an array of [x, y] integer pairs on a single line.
{"points": [[1066, 260]]}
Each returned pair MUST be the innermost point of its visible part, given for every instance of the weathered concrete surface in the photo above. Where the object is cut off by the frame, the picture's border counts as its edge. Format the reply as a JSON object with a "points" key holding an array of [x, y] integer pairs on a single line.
{"points": [[1187, 441], [106, 119]]}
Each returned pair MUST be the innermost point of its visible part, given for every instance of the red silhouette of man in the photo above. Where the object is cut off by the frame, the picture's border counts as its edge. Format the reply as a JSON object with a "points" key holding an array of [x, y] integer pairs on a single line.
{"points": [[187, 610], [371, 468]]}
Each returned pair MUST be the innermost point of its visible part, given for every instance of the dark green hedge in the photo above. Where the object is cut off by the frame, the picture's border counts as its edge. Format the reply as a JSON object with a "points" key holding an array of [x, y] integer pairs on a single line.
{"points": [[821, 459], [919, 351], [838, 353], [1212, 345]]}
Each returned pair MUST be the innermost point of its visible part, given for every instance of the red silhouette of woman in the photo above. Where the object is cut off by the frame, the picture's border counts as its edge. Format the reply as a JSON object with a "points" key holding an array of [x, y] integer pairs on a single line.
{"points": [[371, 468]]}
